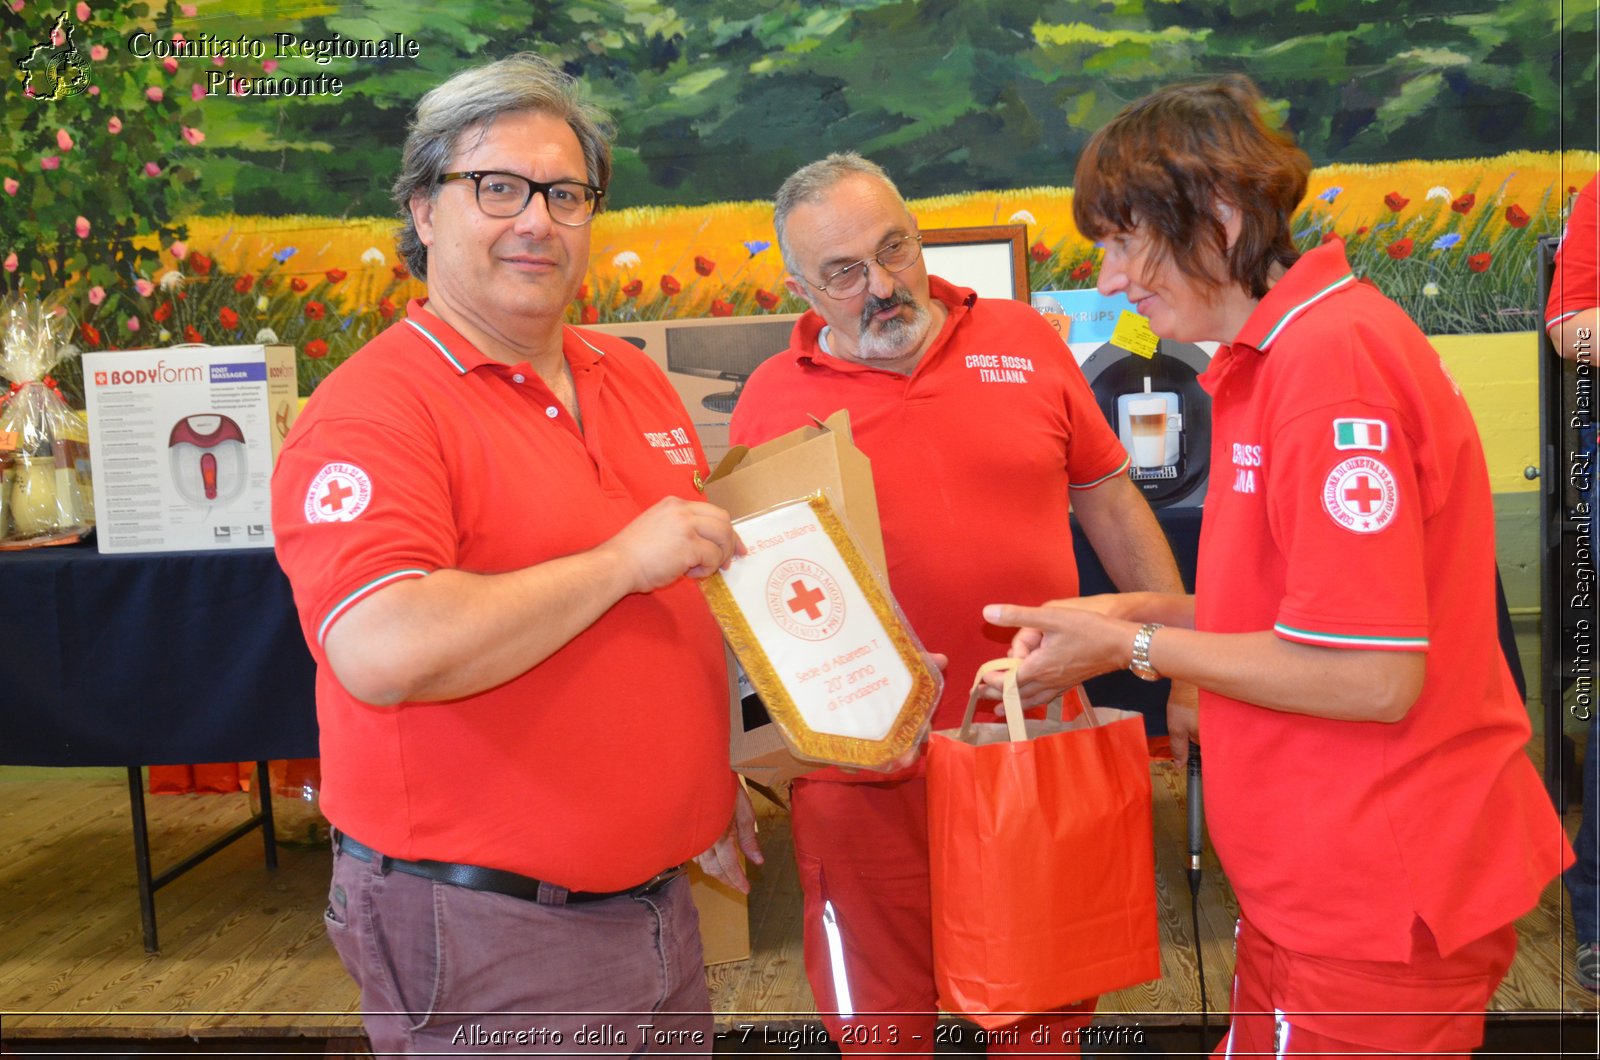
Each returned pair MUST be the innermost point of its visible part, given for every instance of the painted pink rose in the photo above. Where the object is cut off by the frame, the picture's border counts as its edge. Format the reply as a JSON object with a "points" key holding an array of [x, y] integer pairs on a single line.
{"points": [[82, 11], [94, 90], [114, 126], [132, 324], [50, 162], [189, 10], [151, 169], [154, 94], [11, 262], [170, 65], [193, 137], [144, 287], [63, 140], [81, 226], [180, 250], [97, 295], [270, 65], [98, 52], [197, 91], [11, 186]]}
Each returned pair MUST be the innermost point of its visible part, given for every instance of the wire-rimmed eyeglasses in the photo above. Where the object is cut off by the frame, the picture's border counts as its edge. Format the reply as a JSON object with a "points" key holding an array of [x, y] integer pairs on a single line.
{"points": [[897, 255], [569, 202]]}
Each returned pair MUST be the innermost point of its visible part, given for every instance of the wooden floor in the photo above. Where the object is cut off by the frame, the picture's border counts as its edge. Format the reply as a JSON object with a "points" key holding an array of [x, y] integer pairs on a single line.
{"points": [[244, 955]]}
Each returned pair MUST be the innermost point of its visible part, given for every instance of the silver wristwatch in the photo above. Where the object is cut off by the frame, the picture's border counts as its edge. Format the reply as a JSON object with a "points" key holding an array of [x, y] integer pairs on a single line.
{"points": [[1141, 652]]}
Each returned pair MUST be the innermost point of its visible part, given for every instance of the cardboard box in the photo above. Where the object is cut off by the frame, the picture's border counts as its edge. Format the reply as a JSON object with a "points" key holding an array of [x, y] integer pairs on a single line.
{"points": [[747, 481], [182, 443], [724, 918]]}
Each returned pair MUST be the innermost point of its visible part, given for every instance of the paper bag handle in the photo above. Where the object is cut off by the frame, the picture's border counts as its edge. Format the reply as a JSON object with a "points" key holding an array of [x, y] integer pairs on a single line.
{"points": [[1015, 723]]}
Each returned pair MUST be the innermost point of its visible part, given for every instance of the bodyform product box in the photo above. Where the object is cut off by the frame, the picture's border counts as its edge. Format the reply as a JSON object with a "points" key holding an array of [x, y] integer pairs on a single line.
{"points": [[182, 444]]}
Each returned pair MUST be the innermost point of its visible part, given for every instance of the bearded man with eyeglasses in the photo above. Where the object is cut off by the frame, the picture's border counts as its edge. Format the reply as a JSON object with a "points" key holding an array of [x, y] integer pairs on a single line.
{"points": [[982, 433], [521, 692]]}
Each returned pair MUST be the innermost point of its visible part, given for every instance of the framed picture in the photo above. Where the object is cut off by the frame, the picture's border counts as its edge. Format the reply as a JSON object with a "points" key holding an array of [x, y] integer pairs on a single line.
{"points": [[990, 259]]}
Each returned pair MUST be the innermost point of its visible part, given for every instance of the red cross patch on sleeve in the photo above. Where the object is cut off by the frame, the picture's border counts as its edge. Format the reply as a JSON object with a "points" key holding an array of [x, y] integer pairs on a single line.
{"points": [[1360, 495], [338, 494]]}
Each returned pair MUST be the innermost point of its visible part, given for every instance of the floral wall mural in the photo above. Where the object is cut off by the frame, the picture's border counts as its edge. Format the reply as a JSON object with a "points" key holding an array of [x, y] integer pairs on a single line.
{"points": [[148, 172]]}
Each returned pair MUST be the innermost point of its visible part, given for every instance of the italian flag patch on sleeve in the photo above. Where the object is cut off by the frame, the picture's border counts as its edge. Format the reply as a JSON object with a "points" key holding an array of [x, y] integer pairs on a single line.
{"points": [[1361, 434]]}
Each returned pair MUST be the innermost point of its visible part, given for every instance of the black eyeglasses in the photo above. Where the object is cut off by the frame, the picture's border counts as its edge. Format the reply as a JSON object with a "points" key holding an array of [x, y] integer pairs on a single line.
{"points": [[570, 202], [895, 256]]}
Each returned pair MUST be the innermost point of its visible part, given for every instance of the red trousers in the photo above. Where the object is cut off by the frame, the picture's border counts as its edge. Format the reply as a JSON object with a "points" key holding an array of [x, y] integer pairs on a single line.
{"points": [[1294, 1004], [862, 855]]}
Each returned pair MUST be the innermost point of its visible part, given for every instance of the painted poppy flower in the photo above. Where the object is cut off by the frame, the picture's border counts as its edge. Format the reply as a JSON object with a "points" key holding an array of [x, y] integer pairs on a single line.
{"points": [[1400, 248], [670, 286], [227, 318], [335, 275], [632, 288], [315, 311], [1395, 201], [91, 334], [766, 299], [1082, 271], [244, 283], [401, 272], [1329, 237], [719, 308], [1039, 252], [297, 285], [1479, 262], [163, 312], [583, 292], [316, 349], [1516, 216], [386, 309], [1361, 231], [704, 265], [192, 334], [589, 315], [200, 264], [1465, 203]]}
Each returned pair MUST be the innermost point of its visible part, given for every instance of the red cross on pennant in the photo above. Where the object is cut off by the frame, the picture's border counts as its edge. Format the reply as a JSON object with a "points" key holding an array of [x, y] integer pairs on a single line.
{"points": [[1364, 495], [338, 492], [805, 599]]}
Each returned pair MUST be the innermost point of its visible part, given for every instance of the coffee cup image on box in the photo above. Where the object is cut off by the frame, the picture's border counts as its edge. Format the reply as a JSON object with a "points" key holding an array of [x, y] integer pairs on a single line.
{"points": [[208, 458]]}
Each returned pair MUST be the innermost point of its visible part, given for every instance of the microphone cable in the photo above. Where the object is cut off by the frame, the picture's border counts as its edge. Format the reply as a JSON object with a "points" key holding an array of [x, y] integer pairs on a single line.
{"points": [[1196, 845]]}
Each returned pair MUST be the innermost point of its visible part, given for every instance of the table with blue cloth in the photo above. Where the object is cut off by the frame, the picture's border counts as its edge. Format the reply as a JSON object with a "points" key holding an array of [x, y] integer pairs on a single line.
{"points": [[155, 659]]}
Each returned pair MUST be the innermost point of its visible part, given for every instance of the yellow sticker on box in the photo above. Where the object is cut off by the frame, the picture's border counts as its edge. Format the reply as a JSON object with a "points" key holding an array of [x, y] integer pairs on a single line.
{"points": [[1134, 335]]}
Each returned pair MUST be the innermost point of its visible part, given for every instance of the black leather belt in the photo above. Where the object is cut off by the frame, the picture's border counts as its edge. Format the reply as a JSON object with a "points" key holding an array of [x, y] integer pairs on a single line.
{"points": [[478, 878]]}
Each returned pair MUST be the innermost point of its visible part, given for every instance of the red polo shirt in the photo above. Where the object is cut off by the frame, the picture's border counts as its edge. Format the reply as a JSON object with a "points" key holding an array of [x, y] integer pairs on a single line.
{"points": [[974, 453], [1577, 282], [608, 761], [1349, 507]]}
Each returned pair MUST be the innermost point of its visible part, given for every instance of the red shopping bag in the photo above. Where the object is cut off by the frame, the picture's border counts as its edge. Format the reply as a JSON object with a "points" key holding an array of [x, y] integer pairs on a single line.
{"points": [[1042, 859]]}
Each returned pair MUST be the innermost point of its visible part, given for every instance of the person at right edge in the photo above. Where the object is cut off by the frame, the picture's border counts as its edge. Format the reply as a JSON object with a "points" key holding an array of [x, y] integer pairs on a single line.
{"points": [[1571, 316], [1367, 788]]}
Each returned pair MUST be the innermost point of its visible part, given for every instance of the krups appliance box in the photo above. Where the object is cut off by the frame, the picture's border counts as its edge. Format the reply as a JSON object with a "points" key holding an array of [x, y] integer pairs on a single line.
{"points": [[183, 442]]}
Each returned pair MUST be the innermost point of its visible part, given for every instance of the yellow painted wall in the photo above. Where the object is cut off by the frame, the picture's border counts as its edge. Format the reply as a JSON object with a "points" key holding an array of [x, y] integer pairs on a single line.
{"points": [[1499, 376]]}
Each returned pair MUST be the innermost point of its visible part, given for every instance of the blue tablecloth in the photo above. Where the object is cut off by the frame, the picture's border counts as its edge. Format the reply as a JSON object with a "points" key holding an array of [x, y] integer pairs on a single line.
{"points": [[153, 659]]}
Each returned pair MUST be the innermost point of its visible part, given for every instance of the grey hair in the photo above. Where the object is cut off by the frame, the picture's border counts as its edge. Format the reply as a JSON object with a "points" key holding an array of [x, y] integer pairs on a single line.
{"points": [[472, 100], [809, 183]]}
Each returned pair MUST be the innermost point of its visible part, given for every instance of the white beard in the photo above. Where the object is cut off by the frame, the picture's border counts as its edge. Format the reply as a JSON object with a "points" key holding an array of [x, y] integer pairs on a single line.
{"points": [[896, 338]]}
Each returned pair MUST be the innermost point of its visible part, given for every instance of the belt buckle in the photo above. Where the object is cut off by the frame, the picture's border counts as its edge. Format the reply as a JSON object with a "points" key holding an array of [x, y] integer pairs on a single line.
{"points": [[658, 881]]}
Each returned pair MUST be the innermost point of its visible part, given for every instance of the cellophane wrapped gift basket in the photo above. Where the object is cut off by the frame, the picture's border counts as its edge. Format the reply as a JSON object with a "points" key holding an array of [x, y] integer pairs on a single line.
{"points": [[46, 493]]}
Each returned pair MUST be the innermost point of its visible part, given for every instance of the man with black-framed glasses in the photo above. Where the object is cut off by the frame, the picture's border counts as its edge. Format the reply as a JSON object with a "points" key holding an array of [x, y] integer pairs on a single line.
{"points": [[492, 525], [980, 427]]}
